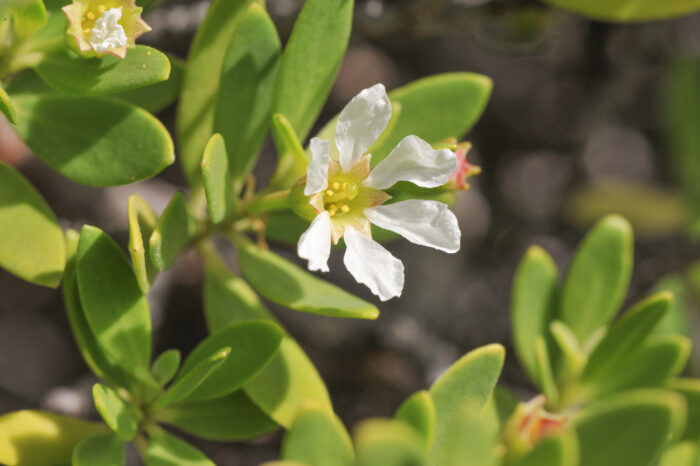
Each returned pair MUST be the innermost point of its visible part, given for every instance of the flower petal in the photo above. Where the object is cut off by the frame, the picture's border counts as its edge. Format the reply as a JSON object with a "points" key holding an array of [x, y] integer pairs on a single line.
{"points": [[428, 223], [416, 161], [372, 265], [360, 123], [317, 172], [315, 243]]}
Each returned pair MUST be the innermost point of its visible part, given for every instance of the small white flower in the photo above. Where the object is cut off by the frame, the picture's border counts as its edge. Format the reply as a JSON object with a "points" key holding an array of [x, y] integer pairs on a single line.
{"points": [[108, 33], [347, 196]]}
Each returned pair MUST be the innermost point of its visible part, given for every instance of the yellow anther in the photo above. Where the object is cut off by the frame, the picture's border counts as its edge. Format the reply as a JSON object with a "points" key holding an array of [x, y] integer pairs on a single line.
{"points": [[329, 192], [86, 30], [331, 213], [91, 15], [345, 185], [101, 8], [345, 209], [333, 207], [336, 186]]}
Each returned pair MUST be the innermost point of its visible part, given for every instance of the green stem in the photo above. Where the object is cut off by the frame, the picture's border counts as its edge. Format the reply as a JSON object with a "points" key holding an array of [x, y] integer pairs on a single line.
{"points": [[279, 200]]}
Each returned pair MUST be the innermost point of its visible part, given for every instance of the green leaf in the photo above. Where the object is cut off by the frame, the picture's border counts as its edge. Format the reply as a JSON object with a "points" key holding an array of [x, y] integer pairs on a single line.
{"points": [[142, 222], [629, 429], [40, 438], [115, 308], [92, 140], [472, 377], [7, 107], [681, 454], [189, 381], [98, 361], [255, 344], [454, 101], [573, 358], [167, 450], [71, 73], [32, 242], [216, 177], [28, 17], [122, 417], [472, 440], [311, 61], [158, 96], [625, 336], [290, 380], [661, 357], [245, 93], [200, 87], [690, 389], [229, 418], [385, 442], [292, 159], [165, 366], [103, 449], [175, 229], [418, 411], [554, 450], [284, 283], [533, 304], [627, 10], [598, 276], [677, 318], [318, 438], [545, 376]]}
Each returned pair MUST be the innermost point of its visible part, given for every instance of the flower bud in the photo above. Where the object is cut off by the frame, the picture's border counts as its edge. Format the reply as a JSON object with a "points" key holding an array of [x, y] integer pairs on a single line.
{"points": [[97, 27], [529, 424], [464, 170]]}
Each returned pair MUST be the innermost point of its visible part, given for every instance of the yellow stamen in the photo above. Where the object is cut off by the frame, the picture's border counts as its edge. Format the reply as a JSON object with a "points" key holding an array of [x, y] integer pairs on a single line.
{"points": [[91, 15], [331, 213], [345, 185], [345, 209], [86, 31], [333, 207], [336, 186], [101, 8], [329, 192]]}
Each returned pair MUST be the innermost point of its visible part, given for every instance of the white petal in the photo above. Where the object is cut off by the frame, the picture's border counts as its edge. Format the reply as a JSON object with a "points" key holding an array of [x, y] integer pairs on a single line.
{"points": [[428, 223], [416, 161], [317, 172], [360, 123], [107, 33], [372, 265], [315, 243]]}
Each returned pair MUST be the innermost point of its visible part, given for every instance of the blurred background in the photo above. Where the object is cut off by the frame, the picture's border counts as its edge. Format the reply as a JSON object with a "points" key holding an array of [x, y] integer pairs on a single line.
{"points": [[585, 118]]}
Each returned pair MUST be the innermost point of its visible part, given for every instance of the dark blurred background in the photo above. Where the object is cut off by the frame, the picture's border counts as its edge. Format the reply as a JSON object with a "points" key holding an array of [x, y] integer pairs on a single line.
{"points": [[576, 126]]}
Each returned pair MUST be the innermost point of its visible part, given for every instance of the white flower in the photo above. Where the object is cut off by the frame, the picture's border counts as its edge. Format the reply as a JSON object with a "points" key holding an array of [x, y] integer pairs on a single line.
{"points": [[108, 33], [347, 196]]}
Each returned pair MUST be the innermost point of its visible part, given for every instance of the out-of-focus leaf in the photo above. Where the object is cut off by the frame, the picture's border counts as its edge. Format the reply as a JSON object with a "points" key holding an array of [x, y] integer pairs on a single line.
{"points": [[122, 417], [386, 442], [255, 344], [165, 366], [158, 96], [115, 307], [142, 222], [245, 93], [184, 385], [627, 10], [597, 279], [652, 211], [6, 106], [676, 319], [418, 411], [661, 357], [533, 304], [167, 450], [28, 16], [99, 362], [285, 227], [175, 229], [544, 371], [282, 282], [681, 454], [629, 429], [311, 60], [472, 379], [68, 72], [93, 140], [690, 389], [625, 336], [103, 449], [292, 160], [195, 116], [318, 438], [229, 418], [290, 380], [217, 180], [572, 357], [40, 438], [554, 450], [32, 244]]}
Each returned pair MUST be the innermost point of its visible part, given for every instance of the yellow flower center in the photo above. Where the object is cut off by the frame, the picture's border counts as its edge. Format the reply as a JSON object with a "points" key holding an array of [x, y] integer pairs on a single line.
{"points": [[339, 198], [89, 18]]}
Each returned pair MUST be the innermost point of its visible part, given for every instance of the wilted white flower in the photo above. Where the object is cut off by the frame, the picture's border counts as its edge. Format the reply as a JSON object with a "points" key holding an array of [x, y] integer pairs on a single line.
{"points": [[347, 196]]}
